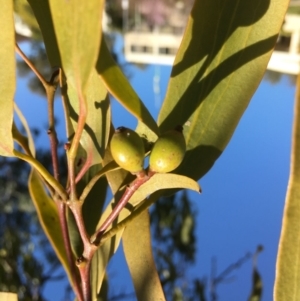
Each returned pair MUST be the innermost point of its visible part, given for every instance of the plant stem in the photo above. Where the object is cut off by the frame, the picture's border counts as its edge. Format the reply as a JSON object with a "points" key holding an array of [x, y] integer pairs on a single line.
{"points": [[84, 262], [108, 167], [31, 66], [84, 267], [130, 190], [76, 208], [121, 225], [66, 238], [75, 205], [61, 206], [50, 91], [84, 168], [72, 152]]}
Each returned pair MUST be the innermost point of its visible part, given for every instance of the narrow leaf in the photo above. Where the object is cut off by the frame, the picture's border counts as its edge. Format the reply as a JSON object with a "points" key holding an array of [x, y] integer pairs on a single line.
{"points": [[29, 139], [138, 253], [118, 85], [216, 71], [77, 26], [163, 181], [287, 279], [41, 10], [7, 77], [48, 217]]}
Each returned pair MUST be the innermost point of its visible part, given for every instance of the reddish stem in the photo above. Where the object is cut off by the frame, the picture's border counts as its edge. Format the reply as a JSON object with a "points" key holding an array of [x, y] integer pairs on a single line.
{"points": [[139, 181], [61, 206], [66, 238], [84, 267], [84, 262]]}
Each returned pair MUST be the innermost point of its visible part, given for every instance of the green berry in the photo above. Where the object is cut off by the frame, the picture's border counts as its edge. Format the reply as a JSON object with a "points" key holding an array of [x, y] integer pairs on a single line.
{"points": [[168, 151], [127, 149]]}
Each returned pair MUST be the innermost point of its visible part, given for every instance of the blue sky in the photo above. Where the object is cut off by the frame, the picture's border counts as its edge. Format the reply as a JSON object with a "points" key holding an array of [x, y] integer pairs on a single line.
{"points": [[243, 195]]}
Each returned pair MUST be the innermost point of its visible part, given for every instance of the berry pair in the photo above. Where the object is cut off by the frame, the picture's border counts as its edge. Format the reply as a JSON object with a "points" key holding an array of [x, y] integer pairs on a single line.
{"points": [[127, 149]]}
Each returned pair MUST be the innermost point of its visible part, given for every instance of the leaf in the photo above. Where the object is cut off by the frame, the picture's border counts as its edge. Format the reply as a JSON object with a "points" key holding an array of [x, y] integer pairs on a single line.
{"points": [[288, 259], [138, 253], [221, 60], [95, 135], [7, 77], [77, 26], [8, 297], [160, 182], [41, 10], [27, 141], [48, 217], [118, 85]]}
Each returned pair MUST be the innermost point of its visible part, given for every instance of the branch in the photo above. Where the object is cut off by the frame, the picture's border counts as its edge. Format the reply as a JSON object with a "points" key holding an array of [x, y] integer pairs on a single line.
{"points": [[31, 66], [130, 190]]}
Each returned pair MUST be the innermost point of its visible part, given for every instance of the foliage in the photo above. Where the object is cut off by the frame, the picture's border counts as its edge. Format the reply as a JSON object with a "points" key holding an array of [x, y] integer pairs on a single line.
{"points": [[216, 71]]}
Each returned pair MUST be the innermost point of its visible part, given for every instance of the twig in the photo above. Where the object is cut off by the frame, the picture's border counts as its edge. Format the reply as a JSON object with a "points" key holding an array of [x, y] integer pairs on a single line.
{"points": [[84, 267], [61, 206], [215, 280], [72, 152], [130, 190], [31, 66], [115, 229], [66, 238], [108, 167], [84, 262], [50, 91]]}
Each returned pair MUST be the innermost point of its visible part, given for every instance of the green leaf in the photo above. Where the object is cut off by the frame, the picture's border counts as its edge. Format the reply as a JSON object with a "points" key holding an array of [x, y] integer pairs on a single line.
{"points": [[138, 252], [95, 135], [8, 297], [26, 142], [288, 259], [41, 10], [48, 217], [162, 181], [221, 60], [118, 85], [7, 77], [77, 26]]}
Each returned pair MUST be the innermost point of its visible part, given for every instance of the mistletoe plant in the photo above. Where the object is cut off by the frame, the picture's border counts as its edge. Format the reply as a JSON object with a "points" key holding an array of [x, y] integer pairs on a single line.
{"points": [[220, 62]]}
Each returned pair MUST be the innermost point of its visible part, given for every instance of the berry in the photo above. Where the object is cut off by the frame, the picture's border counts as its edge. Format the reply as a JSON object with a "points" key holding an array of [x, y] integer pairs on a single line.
{"points": [[168, 151], [127, 149]]}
